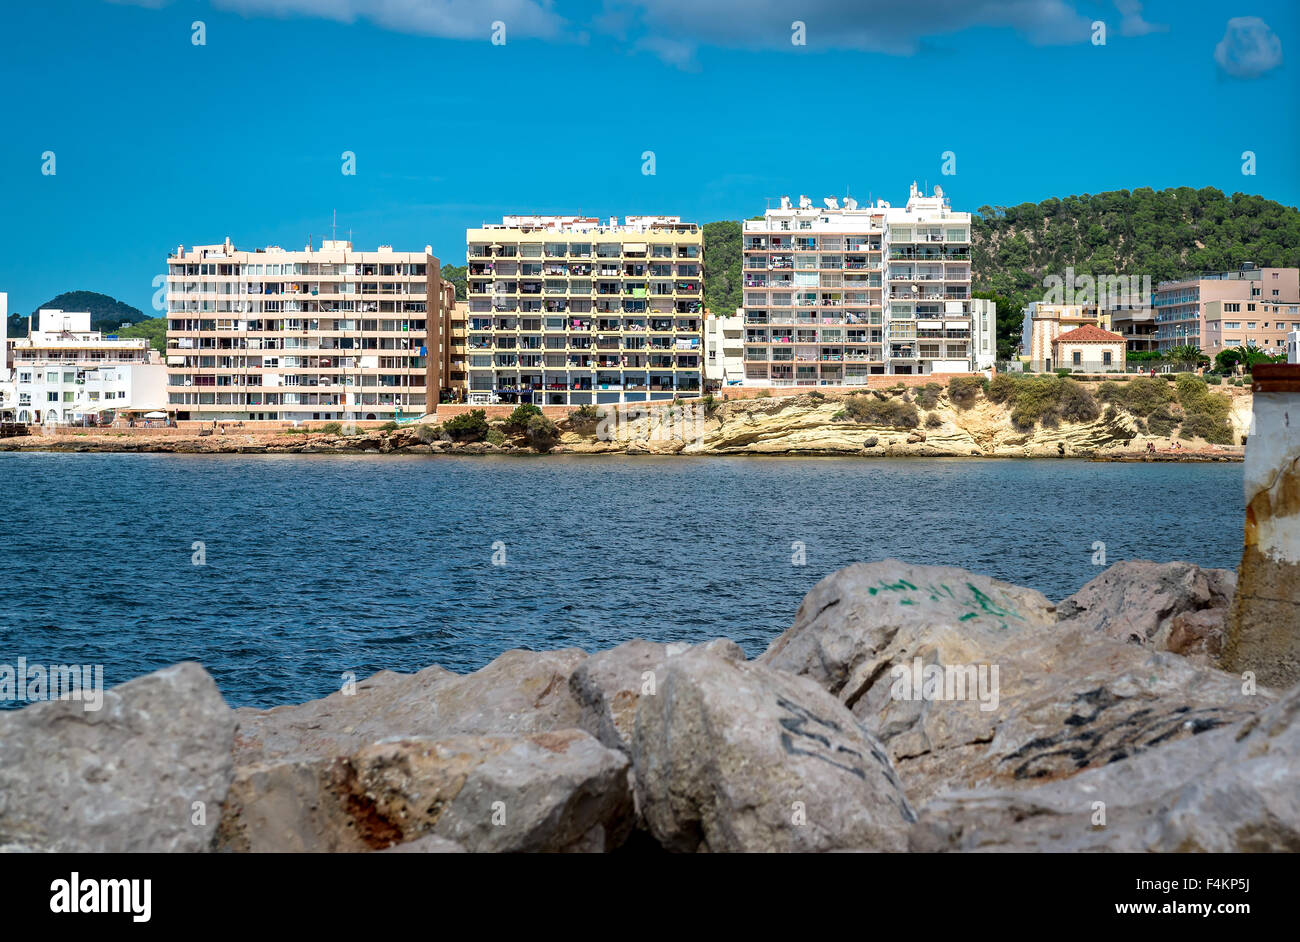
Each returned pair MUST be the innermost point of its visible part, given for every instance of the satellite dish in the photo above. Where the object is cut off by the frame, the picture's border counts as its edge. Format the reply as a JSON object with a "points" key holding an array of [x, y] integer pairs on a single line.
{"points": [[850, 203], [805, 202], [785, 202], [831, 202]]}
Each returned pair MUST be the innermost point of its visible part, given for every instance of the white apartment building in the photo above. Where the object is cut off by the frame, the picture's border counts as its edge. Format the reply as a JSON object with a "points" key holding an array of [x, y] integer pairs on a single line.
{"points": [[834, 294], [8, 395], [64, 373], [724, 349], [565, 310], [318, 334]]}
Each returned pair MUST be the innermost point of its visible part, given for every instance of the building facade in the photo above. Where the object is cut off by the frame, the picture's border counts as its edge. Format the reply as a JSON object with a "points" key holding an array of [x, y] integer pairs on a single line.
{"points": [[1089, 349], [836, 293], [64, 373], [1258, 324], [724, 349], [1044, 323], [1181, 306], [318, 334], [565, 310]]}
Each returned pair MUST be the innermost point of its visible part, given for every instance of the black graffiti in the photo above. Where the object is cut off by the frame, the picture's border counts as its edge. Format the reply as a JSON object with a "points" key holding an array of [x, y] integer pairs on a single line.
{"points": [[1091, 738]]}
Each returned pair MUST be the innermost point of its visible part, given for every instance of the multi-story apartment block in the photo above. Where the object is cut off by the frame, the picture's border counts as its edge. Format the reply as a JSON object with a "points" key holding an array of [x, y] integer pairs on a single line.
{"points": [[1181, 307], [836, 293], [724, 349], [564, 310], [1249, 324], [64, 373], [328, 333]]}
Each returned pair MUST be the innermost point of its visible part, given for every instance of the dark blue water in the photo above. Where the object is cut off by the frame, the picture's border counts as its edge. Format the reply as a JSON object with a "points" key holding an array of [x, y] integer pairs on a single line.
{"points": [[320, 565]]}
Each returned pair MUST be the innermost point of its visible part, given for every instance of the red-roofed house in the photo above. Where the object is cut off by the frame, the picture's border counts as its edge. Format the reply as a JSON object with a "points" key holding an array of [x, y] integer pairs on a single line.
{"points": [[1089, 349]]}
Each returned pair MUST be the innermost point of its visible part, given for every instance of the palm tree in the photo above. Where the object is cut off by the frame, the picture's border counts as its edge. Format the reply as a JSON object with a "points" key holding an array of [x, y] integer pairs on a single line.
{"points": [[1187, 353]]}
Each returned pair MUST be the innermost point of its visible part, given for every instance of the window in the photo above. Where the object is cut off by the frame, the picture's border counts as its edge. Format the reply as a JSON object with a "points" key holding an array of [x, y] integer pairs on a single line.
{"points": [[1105, 358], [1077, 358]]}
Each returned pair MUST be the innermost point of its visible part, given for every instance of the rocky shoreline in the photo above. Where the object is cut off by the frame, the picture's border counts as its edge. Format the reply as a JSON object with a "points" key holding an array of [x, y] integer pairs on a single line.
{"points": [[1099, 723], [926, 423]]}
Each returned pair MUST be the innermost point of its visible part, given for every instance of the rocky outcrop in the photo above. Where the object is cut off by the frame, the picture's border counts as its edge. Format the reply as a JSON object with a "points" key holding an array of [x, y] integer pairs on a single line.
{"points": [[1233, 790], [969, 681], [520, 692], [1177, 607], [146, 772], [609, 685], [559, 791], [735, 756]]}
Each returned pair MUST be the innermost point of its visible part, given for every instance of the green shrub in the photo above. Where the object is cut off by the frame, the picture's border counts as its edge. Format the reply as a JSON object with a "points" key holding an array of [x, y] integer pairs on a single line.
{"points": [[1162, 422], [388, 427], [584, 419], [518, 419], [933, 421], [542, 432], [471, 426], [964, 390], [1205, 413], [711, 404], [927, 397], [872, 411], [1049, 399], [428, 433], [1064, 371], [1214, 380], [1004, 387], [332, 428], [1076, 403], [815, 396], [1141, 396], [496, 437]]}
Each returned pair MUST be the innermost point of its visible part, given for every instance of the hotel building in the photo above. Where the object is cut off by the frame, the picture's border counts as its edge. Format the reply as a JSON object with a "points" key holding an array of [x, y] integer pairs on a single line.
{"points": [[1248, 298], [320, 334], [565, 310], [64, 373], [834, 294]]}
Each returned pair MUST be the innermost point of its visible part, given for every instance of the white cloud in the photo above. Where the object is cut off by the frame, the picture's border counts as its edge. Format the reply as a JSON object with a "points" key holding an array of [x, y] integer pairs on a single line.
{"points": [[1248, 48], [1131, 22]]}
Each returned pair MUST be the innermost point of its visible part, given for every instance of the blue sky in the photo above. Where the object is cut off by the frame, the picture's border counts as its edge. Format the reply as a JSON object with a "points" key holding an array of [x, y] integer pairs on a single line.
{"points": [[159, 142]]}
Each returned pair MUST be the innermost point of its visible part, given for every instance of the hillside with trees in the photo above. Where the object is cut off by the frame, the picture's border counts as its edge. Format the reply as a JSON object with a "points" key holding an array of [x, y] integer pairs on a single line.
{"points": [[722, 284], [456, 275], [1164, 234]]}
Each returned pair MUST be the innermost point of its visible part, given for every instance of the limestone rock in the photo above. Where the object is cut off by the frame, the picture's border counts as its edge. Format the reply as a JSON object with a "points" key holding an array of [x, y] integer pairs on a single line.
{"points": [[609, 685], [1231, 790], [519, 692], [734, 756], [554, 791], [131, 776], [970, 682], [1145, 603]]}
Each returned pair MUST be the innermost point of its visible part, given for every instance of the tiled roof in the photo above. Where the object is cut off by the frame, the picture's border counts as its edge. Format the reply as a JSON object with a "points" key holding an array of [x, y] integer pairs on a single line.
{"points": [[1088, 334]]}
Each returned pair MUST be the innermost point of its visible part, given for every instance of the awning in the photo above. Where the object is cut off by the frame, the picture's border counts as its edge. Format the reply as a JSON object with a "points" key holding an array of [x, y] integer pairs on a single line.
{"points": [[155, 415], [633, 247]]}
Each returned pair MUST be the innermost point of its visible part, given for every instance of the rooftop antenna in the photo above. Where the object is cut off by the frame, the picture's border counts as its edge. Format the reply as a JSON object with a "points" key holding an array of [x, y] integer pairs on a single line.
{"points": [[334, 225]]}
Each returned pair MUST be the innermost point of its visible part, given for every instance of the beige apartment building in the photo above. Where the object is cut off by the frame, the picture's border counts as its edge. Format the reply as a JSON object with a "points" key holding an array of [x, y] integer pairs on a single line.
{"points": [[836, 293], [318, 334], [1261, 324], [1248, 296], [567, 310]]}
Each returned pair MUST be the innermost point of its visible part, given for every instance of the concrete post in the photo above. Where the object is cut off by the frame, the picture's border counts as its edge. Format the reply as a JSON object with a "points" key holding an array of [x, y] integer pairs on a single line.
{"points": [[1264, 628]]}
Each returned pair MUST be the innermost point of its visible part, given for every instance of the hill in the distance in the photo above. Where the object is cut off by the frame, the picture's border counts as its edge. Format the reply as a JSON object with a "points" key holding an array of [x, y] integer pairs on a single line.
{"points": [[106, 314], [1161, 233]]}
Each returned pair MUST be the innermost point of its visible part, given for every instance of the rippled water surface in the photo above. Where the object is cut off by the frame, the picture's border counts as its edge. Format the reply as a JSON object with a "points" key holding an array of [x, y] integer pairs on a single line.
{"points": [[319, 565]]}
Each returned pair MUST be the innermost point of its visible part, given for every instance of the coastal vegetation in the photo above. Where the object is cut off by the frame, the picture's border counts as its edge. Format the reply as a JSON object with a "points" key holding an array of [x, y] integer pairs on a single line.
{"points": [[471, 426], [1048, 400]]}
